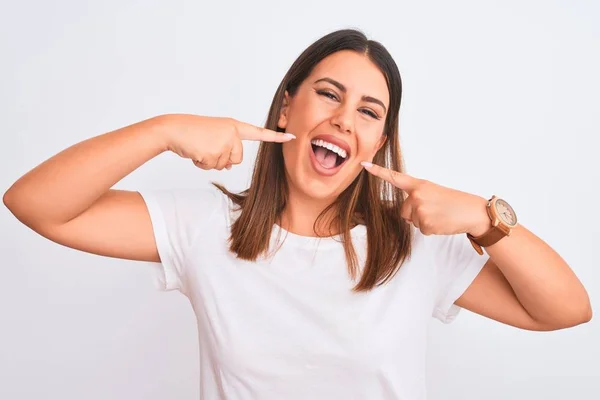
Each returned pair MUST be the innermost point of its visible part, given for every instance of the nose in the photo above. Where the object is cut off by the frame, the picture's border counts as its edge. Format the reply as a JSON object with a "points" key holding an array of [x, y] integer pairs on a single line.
{"points": [[343, 120]]}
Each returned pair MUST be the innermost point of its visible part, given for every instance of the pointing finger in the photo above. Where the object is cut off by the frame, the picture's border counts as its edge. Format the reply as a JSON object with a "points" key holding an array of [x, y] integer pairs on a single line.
{"points": [[251, 132], [398, 179]]}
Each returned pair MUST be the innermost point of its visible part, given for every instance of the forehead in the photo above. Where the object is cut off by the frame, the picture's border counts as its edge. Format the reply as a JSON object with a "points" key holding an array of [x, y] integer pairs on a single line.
{"points": [[355, 71]]}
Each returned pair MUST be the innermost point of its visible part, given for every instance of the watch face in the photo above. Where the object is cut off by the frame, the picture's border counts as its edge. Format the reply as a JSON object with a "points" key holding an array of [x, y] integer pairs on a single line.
{"points": [[506, 213]]}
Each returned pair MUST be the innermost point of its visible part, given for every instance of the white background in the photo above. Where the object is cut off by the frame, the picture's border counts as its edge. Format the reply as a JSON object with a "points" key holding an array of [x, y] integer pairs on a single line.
{"points": [[500, 97]]}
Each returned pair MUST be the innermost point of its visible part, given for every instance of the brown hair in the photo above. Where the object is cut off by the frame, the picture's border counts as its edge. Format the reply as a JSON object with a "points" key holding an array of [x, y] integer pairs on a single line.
{"points": [[368, 200]]}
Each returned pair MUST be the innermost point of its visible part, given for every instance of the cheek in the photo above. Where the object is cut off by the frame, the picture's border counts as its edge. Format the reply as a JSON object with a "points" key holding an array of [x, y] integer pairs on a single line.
{"points": [[291, 152], [306, 112], [369, 146]]}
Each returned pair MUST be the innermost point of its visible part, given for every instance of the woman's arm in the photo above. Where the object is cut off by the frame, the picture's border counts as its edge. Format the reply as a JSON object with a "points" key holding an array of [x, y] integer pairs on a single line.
{"points": [[67, 198], [62, 187], [525, 283], [525, 272]]}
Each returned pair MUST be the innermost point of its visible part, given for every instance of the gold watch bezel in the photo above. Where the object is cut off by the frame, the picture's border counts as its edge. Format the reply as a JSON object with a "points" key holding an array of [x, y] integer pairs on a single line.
{"points": [[497, 220]]}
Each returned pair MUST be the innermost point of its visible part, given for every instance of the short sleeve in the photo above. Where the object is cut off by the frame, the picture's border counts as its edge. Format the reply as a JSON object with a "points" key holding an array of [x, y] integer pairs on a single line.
{"points": [[457, 264], [178, 217]]}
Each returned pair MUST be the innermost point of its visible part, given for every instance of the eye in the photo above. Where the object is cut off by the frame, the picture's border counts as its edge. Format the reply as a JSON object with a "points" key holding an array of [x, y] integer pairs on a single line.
{"points": [[371, 114], [332, 96], [327, 94]]}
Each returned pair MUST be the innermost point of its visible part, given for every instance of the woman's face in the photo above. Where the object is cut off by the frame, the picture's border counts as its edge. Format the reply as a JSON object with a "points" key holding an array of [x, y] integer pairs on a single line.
{"points": [[343, 102]]}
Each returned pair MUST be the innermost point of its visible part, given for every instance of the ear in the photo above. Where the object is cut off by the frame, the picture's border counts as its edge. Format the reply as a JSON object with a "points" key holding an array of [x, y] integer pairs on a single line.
{"points": [[283, 113]]}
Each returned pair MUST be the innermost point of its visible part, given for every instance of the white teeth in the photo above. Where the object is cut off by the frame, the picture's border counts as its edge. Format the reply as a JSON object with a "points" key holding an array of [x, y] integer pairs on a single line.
{"points": [[338, 150]]}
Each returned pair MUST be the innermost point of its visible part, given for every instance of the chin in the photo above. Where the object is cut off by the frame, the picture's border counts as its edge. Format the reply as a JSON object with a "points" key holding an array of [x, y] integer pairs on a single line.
{"points": [[315, 187], [320, 192]]}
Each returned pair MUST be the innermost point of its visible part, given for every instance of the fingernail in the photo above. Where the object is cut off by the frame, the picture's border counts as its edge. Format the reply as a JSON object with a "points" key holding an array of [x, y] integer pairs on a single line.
{"points": [[366, 164], [290, 135]]}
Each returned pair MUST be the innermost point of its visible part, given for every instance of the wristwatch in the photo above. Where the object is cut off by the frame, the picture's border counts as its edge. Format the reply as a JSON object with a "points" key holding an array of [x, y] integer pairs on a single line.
{"points": [[504, 219]]}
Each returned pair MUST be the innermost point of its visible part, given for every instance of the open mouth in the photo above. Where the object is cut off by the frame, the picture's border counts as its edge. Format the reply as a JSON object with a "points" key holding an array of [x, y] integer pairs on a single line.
{"points": [[329, 156]]}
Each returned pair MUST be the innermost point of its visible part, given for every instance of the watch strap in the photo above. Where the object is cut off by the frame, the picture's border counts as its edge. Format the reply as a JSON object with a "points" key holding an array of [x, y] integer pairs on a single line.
{"points": [[492, 236]]}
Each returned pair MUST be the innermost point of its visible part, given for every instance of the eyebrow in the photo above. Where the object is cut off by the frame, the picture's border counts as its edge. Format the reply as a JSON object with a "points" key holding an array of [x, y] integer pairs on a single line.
{"points": [[342, 88]]}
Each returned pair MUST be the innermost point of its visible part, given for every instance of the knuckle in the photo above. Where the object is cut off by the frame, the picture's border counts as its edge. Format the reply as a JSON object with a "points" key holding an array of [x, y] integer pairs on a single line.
{"points": [[237, 155], [207, 159], [201, 165], [234, 127], [431, 226], [417, 195]]}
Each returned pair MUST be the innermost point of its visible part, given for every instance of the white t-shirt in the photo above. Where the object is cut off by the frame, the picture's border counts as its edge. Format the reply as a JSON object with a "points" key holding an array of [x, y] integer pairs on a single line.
{"points": [[289, 327]]}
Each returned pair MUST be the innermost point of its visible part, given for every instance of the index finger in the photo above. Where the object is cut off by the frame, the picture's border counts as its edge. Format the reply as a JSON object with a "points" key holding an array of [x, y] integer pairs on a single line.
{"points": [[398, 179], [251, 132]]}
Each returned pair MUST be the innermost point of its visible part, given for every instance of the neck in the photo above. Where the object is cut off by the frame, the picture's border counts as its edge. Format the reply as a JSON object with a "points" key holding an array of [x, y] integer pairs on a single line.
{"points": [[302, 211]]}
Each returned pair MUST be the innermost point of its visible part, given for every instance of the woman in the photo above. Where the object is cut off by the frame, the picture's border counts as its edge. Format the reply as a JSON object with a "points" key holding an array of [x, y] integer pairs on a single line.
{"points": [[319, 280]]}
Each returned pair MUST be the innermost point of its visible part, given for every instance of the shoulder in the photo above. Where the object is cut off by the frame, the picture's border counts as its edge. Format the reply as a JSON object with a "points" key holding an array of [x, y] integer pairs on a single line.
{"points": [[189, 205], [441, 248]]}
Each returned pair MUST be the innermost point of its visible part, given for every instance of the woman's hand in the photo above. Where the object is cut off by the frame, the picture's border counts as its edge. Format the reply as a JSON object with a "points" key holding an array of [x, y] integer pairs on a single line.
{"points": [[214, 142], [435, 209]]}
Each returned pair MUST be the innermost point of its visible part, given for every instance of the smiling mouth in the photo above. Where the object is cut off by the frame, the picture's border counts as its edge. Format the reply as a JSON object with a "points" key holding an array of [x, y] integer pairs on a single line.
{"points": [[326, 158]]}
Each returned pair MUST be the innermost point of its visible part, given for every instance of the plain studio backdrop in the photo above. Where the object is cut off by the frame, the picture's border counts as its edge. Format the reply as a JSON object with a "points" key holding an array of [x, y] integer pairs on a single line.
{"points": [[498, 98]]}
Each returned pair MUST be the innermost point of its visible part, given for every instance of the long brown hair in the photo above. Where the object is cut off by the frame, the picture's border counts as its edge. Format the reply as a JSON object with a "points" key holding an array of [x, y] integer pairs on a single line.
{"points": [[368, 200]]}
